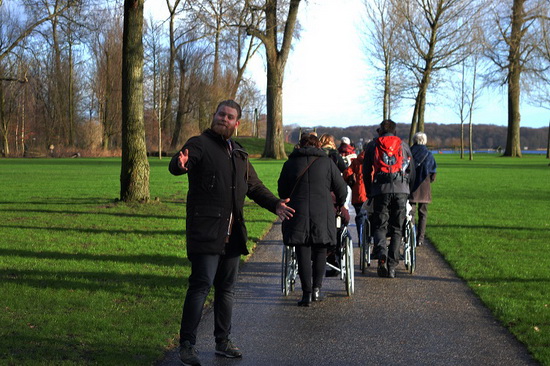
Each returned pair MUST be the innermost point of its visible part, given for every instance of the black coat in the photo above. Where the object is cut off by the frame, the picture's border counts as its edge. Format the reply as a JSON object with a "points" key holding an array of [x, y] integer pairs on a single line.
{"points": [[314, 221], [218, 183]]}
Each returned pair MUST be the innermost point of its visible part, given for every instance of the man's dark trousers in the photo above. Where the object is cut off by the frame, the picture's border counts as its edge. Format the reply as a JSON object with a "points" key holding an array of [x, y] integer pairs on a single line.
{"points": [[207, 270], [388, 219]]}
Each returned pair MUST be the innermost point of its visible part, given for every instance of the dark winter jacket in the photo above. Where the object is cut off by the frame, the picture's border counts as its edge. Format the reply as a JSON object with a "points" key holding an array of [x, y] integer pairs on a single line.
{"points": [[397, 186], [219, 180], [314, 221], [336, 157], [425, 174]]}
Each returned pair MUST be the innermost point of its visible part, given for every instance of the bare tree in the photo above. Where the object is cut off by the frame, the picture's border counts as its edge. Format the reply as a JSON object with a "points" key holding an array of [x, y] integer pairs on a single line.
{"points": [[513, 51], [277, 51], [436, 36], [107, 51], [169, 92], [34, 21], [134, 175], [383, 24]]}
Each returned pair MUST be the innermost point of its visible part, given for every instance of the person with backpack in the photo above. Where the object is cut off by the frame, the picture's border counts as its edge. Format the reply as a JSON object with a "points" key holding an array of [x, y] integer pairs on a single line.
{"points": [[388, 175], [421, 193]]}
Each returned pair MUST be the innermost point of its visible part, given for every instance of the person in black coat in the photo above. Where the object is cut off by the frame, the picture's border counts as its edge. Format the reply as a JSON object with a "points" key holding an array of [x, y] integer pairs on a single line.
{"points": [[308, 177], [220, 176]]}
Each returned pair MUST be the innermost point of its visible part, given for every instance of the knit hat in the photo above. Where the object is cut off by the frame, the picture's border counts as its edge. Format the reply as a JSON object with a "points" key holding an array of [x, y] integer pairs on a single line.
{"points": [[345, 140]]}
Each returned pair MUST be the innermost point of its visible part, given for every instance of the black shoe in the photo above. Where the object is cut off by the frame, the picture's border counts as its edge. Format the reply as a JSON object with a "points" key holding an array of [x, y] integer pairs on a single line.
{"points": [[331, 273], [382, 269], [228, 349], [317, 296], [306, 300], [189, 355], [391, 272]]}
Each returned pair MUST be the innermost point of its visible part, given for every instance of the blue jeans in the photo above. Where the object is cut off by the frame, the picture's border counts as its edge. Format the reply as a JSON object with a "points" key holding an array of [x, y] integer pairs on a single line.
{"points": [[207, 270], [388, 220]]}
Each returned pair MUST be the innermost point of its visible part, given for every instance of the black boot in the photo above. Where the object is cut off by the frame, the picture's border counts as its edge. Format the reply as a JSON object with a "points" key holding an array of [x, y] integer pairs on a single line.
{"points": [[306, 299], [317, 296]]}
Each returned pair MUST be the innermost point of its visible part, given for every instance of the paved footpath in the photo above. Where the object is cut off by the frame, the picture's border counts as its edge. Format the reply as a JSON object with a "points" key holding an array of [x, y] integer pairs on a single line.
{"points": [[428, 318]]}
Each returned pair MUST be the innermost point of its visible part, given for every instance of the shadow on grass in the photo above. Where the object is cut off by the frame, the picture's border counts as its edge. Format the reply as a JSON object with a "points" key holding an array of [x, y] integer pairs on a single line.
{"points": [[93, 281], [158, 260], [27, 349], [106, 213], [99, 231], [491, 227]]}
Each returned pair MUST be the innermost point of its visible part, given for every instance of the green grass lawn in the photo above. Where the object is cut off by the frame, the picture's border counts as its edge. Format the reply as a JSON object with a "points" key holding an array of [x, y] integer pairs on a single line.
{"points": [[87, 280], [490, 218]]}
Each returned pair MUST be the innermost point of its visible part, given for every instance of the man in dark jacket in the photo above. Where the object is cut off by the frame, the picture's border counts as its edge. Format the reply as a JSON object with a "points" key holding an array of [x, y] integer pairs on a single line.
{"points": [[421, 192], [389, 200], [220, 176]]}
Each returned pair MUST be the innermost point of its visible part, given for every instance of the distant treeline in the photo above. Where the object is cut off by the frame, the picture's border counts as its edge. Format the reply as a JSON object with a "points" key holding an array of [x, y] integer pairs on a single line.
{"points": [[440, 136]]}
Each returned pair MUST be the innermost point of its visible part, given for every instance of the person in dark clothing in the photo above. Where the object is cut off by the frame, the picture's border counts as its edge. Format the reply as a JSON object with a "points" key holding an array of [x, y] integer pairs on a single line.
{"points": [[421, 192], [220, 176], [308, 177], [329, 147], [389, 201]]}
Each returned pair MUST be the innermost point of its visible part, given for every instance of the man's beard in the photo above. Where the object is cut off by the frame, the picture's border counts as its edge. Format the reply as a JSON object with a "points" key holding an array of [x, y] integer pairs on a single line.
{"points": [[225, 131]]}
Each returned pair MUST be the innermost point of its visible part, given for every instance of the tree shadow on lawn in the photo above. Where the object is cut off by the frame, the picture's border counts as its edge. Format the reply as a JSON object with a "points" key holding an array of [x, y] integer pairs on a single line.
{"points": [[158, 260], [30, 349], [491, 227], [126, 284], [106, 213], [101, 231]]}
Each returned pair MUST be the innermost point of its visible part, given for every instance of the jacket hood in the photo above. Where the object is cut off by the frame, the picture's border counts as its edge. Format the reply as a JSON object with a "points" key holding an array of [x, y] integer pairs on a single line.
{"points": [[307, 151]]}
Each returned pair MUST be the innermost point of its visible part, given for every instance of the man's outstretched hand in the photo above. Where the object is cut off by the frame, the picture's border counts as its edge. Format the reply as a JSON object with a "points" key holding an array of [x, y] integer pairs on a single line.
{"points": [[182, 159], [283, 211]]}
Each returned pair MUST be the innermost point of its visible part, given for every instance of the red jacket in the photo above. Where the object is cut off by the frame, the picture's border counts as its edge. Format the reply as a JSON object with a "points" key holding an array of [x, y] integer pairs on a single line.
{"points": [[358, 191]]}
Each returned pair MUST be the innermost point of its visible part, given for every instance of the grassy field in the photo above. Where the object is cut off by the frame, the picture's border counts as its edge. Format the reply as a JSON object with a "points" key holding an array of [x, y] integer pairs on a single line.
{"points": [[490, 218], [87, 280]]}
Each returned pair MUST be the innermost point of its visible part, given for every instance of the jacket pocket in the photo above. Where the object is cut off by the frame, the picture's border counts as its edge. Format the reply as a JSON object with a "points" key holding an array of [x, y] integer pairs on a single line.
{"points": [[203, 223]]}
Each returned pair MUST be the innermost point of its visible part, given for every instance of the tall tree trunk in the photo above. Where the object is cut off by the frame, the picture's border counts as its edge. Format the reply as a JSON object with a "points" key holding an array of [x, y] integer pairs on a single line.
{"points": [[181, 108], [276, 62], [513, 147], [4, 124], [548, 145], [167, 110], [134, 175], [386, 114], [414, 121], [274, 141]]}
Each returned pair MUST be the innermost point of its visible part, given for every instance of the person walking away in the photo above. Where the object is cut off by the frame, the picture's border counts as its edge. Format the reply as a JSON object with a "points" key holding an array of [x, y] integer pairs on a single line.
{"points": [[421, 193], [329, 147], [388, 178], [346, 150], [353, 175], [308, 177], [220, 176]]}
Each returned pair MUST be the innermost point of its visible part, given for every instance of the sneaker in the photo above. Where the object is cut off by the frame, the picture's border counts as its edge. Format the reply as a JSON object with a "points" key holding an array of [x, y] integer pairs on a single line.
{"points": [[228, 349], [391, 272], [189, 355]]}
